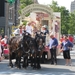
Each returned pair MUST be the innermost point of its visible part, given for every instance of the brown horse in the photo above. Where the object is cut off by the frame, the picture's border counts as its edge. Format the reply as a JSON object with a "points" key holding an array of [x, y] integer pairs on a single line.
{"points": [[15, 51]]}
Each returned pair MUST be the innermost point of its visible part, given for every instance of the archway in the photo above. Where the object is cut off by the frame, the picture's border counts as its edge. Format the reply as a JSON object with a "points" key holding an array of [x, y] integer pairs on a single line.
{"points": [[39, 8]]}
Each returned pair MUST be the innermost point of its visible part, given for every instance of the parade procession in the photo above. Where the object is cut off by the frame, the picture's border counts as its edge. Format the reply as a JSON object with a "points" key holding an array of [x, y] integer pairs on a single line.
{"points": [[32, 39]]}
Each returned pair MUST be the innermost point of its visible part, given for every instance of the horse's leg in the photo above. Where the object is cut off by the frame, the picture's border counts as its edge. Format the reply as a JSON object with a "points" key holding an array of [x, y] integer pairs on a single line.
{"points": [[10, 60], [32, 59], [19, 60], [43, 57], [25, 62], [35, 61], [38, 61], [16, 62]]}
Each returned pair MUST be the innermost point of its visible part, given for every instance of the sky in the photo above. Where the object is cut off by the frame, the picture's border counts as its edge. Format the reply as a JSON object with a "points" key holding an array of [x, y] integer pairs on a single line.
{"points": [[65, 3]]}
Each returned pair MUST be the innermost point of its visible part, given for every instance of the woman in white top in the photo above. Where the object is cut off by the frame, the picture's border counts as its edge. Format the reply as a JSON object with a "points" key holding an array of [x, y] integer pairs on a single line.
{"points": [[5, 39], [29, 28]]}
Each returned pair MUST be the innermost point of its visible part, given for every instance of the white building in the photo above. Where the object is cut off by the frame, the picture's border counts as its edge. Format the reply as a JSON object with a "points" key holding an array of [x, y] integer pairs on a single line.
{"points": [[72, 7]]}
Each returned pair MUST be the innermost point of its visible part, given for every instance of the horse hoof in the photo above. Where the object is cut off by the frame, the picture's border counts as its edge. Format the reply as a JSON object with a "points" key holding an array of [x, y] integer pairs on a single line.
{"points": [[19, 67], [39, 67], [11, 66], [34, 68]]}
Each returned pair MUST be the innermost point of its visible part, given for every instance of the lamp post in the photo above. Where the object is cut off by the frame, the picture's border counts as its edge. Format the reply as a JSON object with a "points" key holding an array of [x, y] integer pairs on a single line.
{"points": [[15, 21]]}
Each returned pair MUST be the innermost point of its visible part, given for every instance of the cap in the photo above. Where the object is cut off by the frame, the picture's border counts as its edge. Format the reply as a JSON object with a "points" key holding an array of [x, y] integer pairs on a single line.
{"points": [[51, 34], [44, 26]]}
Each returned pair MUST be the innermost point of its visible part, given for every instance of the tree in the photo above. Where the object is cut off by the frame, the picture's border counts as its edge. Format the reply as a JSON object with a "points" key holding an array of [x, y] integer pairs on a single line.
{"points": [[64, 16], [64, 20], [72, 23], [54, 6], [24, 3]]}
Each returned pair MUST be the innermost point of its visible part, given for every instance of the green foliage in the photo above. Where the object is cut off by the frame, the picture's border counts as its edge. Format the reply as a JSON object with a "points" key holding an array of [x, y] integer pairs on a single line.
{"points": [[55, 6], [27, 14], [24, 23], [24, 3], [67, 19], [72, 23]]}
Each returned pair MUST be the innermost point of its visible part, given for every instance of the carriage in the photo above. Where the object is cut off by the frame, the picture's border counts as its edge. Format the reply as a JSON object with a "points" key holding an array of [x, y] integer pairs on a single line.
{"points": [[29, 49]]}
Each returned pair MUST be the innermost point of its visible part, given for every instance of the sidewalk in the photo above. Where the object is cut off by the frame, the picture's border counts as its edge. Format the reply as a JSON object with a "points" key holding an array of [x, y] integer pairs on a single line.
{"points": [[61, 60]]}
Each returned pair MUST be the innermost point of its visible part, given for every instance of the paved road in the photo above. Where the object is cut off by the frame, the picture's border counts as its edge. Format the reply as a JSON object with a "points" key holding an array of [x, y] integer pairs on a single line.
{"points": [[47, 69]]}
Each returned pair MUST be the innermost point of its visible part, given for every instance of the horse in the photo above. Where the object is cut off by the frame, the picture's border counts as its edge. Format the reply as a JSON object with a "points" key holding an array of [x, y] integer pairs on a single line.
{"points": [[40, 41], [19, 47], [15, 50], [36, 48], [26, 48]]}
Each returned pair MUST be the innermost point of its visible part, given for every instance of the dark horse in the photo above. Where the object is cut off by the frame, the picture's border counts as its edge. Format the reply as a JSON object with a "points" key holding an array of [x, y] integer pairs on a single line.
{"points": [[36, 49], [40, 41], [33, 48], [26, 48], [15, 51]]}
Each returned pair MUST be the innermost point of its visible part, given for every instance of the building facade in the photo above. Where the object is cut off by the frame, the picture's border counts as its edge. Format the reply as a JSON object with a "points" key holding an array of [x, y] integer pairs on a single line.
{"points": [[72, 6], [8, 16], [2, 17]]}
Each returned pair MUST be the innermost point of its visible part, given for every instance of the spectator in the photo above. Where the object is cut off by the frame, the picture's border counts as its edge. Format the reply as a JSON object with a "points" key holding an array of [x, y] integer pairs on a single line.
{"points": [[5, 39], [1, 50], [66, 46], [62, 38], [53, 43], [71, 38], [6, 51]]}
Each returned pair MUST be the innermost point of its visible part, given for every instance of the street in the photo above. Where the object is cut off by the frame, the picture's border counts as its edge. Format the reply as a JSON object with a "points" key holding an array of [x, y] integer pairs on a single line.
{"points": [[47, 68]]}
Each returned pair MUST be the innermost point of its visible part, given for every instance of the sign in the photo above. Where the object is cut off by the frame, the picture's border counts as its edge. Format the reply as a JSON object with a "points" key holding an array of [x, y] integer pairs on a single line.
{"points": [[37, 7], [10, 23]]}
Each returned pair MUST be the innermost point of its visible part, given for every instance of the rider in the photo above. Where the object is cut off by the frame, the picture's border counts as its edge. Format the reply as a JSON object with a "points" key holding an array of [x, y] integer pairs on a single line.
{"points": [[18, 31], [29, 28], [44, 31]]}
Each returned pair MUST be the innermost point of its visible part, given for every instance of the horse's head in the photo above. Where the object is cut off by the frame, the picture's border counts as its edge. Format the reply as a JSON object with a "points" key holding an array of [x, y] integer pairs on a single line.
{"points": [[26, 41], [40, 42]]}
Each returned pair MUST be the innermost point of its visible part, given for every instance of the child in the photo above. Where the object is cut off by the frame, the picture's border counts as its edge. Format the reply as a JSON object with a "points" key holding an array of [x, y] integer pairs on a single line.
{"points": [[6, 51]]}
